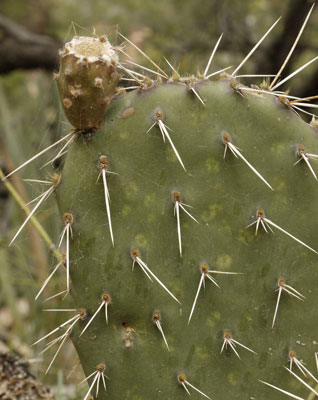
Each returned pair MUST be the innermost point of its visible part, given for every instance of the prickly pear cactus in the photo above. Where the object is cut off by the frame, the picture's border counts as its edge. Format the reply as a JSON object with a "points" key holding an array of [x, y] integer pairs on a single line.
{"points": [[197, 190], [191, 225]]}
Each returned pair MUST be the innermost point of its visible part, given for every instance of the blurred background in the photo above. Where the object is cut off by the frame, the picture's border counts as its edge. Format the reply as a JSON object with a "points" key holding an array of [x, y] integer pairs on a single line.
{"points": [[31, 32]]}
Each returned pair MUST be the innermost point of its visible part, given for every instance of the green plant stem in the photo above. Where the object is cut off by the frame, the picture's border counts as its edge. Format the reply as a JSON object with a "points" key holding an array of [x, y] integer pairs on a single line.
{"points": [[312, 395]]}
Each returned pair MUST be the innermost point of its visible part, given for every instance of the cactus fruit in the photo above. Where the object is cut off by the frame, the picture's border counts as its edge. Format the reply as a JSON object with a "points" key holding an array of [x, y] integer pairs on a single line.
{"points": [[88, 70], [191, 182]]}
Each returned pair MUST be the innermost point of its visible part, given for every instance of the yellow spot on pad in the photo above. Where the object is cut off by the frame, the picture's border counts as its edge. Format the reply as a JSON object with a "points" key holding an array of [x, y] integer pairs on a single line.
{"points": [[232, 378], [141, 240], [201, 353], [131, 190], [137, 397], [246, 236], [126, 210], [149, 200], [151, 218], [212, 165], [278, 149], [216, 315], [209, 215], [224, 262], [212, 318], [281, 186]]}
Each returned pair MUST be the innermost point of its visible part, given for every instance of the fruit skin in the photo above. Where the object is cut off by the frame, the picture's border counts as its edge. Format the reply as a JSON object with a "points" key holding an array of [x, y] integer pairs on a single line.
{"points": [[225, 195], [87, 80]]}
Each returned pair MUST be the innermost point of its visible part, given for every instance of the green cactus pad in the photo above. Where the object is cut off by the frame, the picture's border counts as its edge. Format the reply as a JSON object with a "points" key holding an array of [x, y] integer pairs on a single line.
{"points": [[148, 189]]}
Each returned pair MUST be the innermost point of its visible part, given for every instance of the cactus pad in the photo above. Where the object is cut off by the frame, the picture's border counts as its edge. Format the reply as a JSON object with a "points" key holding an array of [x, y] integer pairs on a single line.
{"points": [[181, 197]]}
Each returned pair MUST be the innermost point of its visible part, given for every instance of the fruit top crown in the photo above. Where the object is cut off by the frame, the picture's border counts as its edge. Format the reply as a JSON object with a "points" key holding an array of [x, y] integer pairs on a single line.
{"points": [[92, 48]]}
